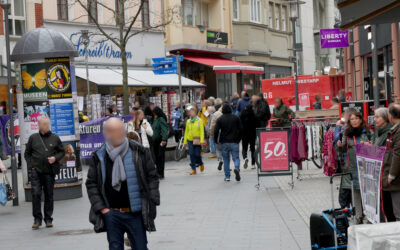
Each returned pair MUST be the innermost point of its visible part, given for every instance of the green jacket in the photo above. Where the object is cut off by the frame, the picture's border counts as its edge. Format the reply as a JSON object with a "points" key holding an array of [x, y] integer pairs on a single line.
{"points": [[380, 135], [351, 161], [283, 112], [160, 129]]}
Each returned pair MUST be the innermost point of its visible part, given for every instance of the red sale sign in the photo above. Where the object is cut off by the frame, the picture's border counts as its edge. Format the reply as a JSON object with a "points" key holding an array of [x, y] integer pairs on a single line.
{"points": [[274, 152]]}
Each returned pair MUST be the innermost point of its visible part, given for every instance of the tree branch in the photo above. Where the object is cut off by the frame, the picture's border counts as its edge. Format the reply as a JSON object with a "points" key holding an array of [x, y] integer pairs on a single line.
{"points": [[97, 23], [134, 20]]}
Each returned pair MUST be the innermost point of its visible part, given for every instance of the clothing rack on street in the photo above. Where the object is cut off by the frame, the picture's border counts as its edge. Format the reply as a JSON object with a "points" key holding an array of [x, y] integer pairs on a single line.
{"points": [[315, 128]]}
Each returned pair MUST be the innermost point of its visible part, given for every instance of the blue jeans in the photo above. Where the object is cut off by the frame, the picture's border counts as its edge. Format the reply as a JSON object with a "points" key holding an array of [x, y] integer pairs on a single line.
{"points": [[212, 146], [233, 149], [117, 223], [195, 155]]}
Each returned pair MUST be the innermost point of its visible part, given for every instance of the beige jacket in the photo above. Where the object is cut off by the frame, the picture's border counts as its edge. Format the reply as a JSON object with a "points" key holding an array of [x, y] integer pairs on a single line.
{"points": [[215, 117]]}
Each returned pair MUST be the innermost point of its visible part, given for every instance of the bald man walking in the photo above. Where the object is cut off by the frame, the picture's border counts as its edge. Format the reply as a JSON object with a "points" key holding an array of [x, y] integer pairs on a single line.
{"points": [[122, 186], [43, 153]]}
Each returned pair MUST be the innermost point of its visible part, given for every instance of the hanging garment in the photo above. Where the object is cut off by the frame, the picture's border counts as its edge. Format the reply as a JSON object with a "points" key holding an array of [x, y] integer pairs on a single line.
{"points": [[309, 142], [295, 157], [329, 154], [301, 144]]}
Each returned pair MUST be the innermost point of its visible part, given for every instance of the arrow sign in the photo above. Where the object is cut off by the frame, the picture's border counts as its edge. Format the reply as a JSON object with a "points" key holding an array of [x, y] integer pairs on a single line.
{"points": [[165, 71], [166, 60], [169, 65]]}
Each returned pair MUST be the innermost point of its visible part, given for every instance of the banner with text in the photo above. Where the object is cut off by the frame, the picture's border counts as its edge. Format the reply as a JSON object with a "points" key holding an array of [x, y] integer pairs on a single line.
{"points": [[274, 147], [369, 163]]}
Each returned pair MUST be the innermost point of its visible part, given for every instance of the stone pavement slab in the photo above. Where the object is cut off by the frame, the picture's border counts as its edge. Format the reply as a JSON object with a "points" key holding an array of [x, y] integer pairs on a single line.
{"points": [[196, 212]]}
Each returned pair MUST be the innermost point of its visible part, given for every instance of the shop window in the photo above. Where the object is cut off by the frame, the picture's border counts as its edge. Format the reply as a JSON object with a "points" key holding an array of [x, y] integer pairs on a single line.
{"points": [[271, 15], [255, 11], [92, 9], [146, 14], [17, 18], [187, 12], [277, 16], [235, 7], [62, 10], [283, 18]]}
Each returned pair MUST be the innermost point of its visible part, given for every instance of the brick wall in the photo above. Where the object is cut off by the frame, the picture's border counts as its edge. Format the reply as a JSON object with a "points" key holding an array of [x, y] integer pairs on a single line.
{"points": [[2, 23], [38, 15]]}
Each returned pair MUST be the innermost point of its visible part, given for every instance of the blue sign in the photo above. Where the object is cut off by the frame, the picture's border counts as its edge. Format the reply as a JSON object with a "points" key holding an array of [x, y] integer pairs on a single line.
{"points": [[157, 65], [166, 60], [62, 118], [165, 71]]}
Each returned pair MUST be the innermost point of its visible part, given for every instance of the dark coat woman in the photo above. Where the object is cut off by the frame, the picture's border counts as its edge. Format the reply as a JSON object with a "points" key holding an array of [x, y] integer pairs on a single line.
{"points": [[160, 138]]}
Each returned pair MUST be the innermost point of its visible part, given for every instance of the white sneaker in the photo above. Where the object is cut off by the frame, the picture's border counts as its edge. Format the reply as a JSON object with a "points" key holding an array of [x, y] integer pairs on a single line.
{"points": [[227, 179], [253, 166]]}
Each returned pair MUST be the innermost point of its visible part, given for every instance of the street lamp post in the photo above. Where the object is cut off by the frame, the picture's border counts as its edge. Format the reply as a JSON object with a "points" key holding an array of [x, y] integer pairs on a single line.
{"points": [[85, 41], [6, 7], [294, 15]]}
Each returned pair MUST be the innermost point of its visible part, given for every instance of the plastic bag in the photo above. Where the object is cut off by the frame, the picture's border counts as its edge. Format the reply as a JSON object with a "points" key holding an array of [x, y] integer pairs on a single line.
{"points": [[3, 194]]}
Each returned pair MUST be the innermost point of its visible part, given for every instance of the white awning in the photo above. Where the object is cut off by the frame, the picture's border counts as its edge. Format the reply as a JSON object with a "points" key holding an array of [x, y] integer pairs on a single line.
{"points": [[136, 78]]}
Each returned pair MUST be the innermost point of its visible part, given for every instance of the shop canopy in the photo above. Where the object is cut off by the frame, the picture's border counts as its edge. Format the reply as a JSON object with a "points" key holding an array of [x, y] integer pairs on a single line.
{"points": [[136, 78], [223, 65]]}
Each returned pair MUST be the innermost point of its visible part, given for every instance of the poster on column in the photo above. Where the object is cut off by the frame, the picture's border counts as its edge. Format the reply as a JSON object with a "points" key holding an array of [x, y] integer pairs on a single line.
{"points": [[34, 78], [33, 111], [58, 78], [70, 169], [62, 118], [6, 134], [369, 164], [274, 147]]}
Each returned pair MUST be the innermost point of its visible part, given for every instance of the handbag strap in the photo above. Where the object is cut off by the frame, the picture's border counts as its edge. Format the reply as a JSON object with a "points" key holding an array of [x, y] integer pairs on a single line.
{"points": [[44, 145]]}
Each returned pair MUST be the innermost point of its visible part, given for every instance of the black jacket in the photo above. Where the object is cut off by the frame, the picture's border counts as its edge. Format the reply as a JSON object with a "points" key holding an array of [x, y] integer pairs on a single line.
{"points": [[148, 183], [249, 122], [228, 128], [36, 154], [262, 112]]}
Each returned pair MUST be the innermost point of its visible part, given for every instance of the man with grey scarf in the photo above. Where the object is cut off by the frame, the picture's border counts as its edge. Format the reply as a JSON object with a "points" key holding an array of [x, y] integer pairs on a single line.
{"points": [[122, 186]]}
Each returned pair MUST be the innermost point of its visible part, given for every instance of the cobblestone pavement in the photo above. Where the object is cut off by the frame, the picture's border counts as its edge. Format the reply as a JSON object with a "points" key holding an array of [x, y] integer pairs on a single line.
{"points": [[196, 212]]}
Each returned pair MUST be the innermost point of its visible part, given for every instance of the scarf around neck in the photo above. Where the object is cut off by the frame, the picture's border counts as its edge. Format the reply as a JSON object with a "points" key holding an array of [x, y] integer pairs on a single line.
{"points": [[116, 154]]}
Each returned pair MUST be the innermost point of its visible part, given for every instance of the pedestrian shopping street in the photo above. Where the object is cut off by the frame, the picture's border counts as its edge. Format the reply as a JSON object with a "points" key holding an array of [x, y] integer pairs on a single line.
{"points": [[196, 212]]}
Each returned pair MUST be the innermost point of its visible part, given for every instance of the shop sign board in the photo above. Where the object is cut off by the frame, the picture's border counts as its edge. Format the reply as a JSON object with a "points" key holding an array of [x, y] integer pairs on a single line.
{"points": [[369, 164], [334, 38], [274, 151], [217, 37]]}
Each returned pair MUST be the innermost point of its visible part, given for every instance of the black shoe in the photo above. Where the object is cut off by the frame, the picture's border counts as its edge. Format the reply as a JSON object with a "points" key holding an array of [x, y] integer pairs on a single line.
{"points": [[237, 174], [220, 165], [246, 162]]}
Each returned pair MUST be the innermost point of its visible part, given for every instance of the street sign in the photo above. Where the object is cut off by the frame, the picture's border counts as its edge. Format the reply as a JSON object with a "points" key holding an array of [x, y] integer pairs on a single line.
{"points": [[166, 60], [169, 65], [165, 71]]}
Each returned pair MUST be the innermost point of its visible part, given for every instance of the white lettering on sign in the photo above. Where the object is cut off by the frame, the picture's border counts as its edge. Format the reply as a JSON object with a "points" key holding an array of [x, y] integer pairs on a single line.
{"points": [[279, 149]]}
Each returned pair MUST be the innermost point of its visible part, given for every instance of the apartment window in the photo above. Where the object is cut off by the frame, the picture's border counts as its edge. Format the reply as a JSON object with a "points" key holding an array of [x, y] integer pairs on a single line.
{"points": [[92, 9], [271, 15], [187, 12], [17, 18], [62, 10], [283, 18], [201, 13], [235, 4], [277, 16], [255, 11], [146, 14]]}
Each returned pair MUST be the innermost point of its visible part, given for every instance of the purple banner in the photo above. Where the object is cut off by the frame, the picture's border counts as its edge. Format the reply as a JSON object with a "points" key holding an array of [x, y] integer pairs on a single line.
{"points": [[370, 151], [91, 134], [334, 38], [6, 134]]}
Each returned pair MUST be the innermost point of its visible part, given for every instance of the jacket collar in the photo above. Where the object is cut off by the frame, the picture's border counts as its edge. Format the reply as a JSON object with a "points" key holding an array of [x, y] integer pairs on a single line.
{"points": [[395, 127]]}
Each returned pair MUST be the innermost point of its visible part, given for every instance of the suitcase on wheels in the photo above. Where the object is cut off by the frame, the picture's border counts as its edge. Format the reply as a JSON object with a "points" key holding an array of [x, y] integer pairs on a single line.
{"points": [[328, 229]]}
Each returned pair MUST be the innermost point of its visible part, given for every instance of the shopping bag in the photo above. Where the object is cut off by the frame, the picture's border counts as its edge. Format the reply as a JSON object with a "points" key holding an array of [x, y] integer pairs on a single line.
{"points": [[3, 194], [9, 190]]}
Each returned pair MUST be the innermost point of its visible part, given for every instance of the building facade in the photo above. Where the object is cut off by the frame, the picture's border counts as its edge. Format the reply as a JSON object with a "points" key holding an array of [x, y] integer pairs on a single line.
{"points": [[205, 38], [264, 30]]}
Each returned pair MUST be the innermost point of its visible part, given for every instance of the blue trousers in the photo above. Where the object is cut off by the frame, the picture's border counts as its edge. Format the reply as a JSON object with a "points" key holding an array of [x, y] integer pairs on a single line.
{"points": [[118, 223], [195, 155], [227, 150], [212, 146]]}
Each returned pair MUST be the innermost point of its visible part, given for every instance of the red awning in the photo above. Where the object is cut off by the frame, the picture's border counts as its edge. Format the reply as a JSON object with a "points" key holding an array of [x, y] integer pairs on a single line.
{"points": [[222, 65]]}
